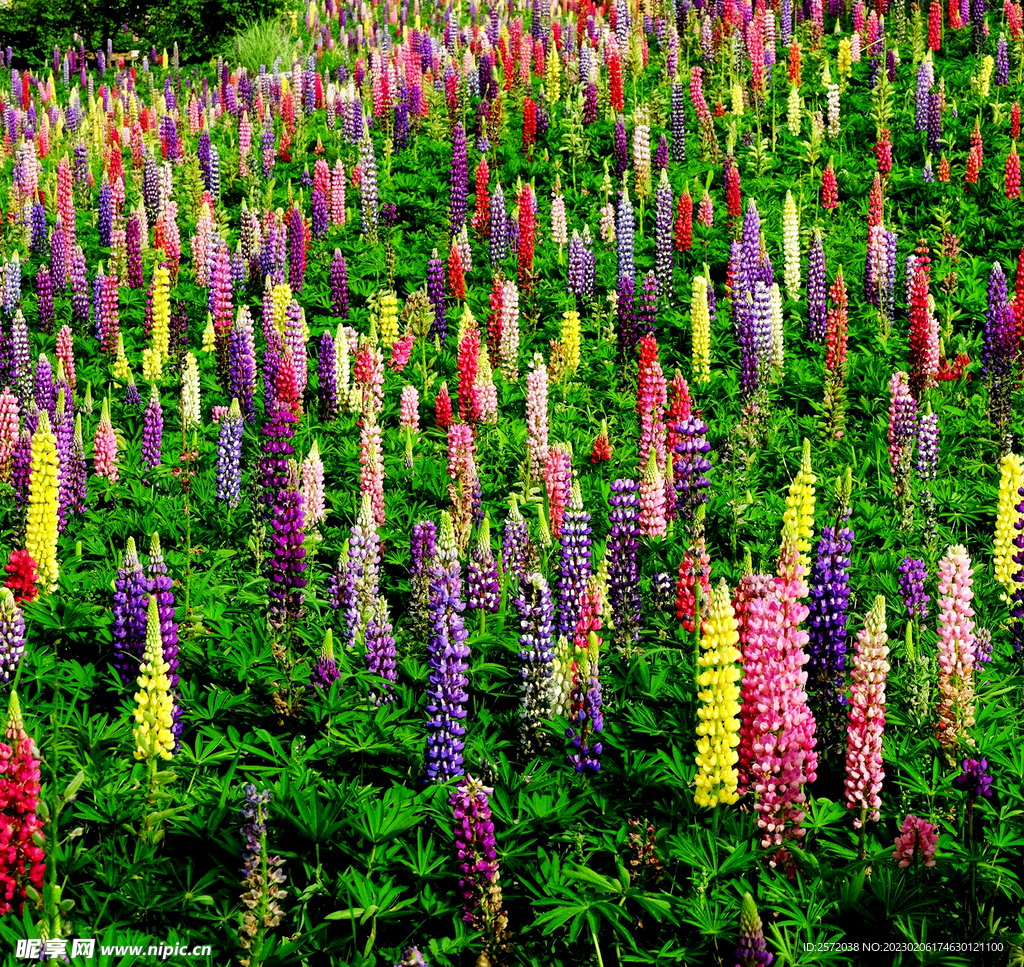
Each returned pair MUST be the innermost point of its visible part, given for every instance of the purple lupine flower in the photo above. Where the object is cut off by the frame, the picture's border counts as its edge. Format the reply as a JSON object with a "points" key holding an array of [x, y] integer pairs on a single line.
{"points": [[752, 950], [368, 187], [44, 392], [79, 286], [325, 670], [131, 600], [590, 101], [360, 582], [327, 378], [678, 122], [12, 635], [160, 583], [479, 878], [663, 237], [131, 392], [978, 41], [12, 285], [105, 203], [628, 333], [422, 548], [380, 649], [150, 182], [59, 257], [277, 448], [499, 241], [922, 96], [974, 779], [448, 654], [927, 445], [624, 236], [829, 588], [339, 285], [912, 575], [152, 431], [482, 587], [229, 456], [21, 464], [242, 363], [296, 249], [934, 121], [533, 607], [623, 563], [64, 432], [516, 548], [267, 149], [318, 214], [576, 270], [982, 646], [459, 181], [621, 148], [691, 466], [287, 561], [817, 320], [44, 293], [587, 719], [39, 227], [1002, 62], [435, 292], [133, 246], [997, 355], [661, 155], [647, 311], [574, 563]]}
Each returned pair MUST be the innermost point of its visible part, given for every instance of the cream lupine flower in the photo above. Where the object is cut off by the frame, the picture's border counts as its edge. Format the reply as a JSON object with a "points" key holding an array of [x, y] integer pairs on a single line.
{"points": [[190, 406], [791, 246]]}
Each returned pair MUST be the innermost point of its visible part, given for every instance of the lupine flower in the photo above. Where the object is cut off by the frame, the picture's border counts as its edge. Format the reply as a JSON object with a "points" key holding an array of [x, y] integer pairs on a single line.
{"points": [[864, 769], [912, 575], [956, 647], [287, 561], [974, 779], [43, 500], [447, 651], [380, 648], [752, 950], [917, 838], [602, 448], [483, 588], [423, 547], [623, 567], [313, 506], [325, 670], [537, 418], [533, 608], [1011, 479], [154, 704], [516, 548], [131, 594], [12, 635], [229, 456], [105, 446], [586, 713], [718, 723], [817, 321], [22, 576], [480, 877], [575, 563], [262, 875]]}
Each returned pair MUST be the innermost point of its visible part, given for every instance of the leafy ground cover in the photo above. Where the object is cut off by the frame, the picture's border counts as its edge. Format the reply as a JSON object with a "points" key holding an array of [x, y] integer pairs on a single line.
{"points": [[581, 449]]}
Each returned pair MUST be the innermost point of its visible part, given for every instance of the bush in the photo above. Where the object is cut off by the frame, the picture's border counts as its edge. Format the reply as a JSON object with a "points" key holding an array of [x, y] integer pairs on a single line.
{"points": [[34, 27], [261, 42]]}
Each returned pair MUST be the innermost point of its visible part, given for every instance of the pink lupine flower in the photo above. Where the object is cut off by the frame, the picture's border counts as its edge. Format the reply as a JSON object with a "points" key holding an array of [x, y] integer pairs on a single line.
{"points": [[866, 717], [653, 520], [917, 837], [313, 507], [409, 408], [956, 647], [105, 446]]}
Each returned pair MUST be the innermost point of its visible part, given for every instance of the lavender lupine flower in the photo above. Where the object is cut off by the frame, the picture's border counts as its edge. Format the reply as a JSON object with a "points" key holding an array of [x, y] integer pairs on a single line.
{"points": [[974, 779], [817, 321], [927, 445], [922, 101], [678, 122], [752, 950], [422, 548], [368, 187], [160, 584], [152, 431], [229, 456], [828, 604], [412, 958], [691, 466], [105, 219], [517, 550], [39, 228], [380, 649], [663, 236], [12, 635], [287, 561], [131, 600], [623, 563], [325, 671], [499, 241], [435, 292], [576, 269], [262, 875], [242, 363], [483, 589], [760, 322], [535, 612], [459, 181], [574, 564], [12, 284], [628, 333], [647, 311], [934, 122], [624, 236], [912, 575], [982, 646], [1002, 77], [339, 285], [79, 286], [448, 654], [479, 880]]}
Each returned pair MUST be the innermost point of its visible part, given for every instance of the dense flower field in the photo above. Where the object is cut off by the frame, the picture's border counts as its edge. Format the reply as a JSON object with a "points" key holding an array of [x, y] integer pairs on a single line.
{"points": [[530, 485]]}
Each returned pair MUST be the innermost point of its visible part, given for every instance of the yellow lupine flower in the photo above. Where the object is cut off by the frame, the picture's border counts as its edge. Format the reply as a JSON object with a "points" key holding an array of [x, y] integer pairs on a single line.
{"points": [[844, 59], [388, 318], [154, 706], [162, 311], [282, 296], [120, 369], [800, 506], [209, 335], [554, 78], [43, 497], [718, 727], [152, 365], [1011, 479], [701, 321], [571, 339]]}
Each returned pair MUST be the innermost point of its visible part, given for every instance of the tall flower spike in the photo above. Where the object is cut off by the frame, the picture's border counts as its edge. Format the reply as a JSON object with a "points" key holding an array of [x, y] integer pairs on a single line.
{"points": [[154, 704], [800, 506], [864, 769], [752, 950], [718, 717], [43, 501], [12, 635], [956, 648], [1011, 479]]}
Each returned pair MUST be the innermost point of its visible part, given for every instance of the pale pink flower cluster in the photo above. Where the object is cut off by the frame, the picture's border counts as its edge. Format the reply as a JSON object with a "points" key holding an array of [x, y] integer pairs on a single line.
{"points": [[313, 505], [956, 647], [916, 836], [105, 450], [371, 459], [558, 480], [537, 417], [653, 522], [409, 408]]}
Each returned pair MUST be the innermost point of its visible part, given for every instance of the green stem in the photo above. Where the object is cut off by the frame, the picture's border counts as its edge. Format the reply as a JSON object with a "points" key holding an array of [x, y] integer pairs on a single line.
{"points": [[597, 948]]}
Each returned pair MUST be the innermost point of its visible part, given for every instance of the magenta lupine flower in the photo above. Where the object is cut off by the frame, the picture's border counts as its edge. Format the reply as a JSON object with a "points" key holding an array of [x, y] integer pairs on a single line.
{"points": [[152, 431], [287, 561], [296, 249], [917, 838], [480, 879], [448, 654], [131, 600], [623, 562], [866, 720], [956, 647]]}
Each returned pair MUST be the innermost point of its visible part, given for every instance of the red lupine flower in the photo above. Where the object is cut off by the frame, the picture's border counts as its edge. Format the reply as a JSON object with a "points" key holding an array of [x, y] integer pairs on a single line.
{"points": [[829, 188], [935, 27], [684, 222], [23, 577], [602, 449], [883, 152], [529, 126], [456, 277], [443, 408], [615, 82], [1012, 176]]}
